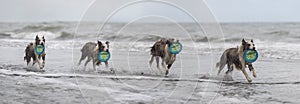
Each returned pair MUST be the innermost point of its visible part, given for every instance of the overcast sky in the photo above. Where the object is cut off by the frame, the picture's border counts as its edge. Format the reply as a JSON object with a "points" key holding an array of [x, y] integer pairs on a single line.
{"points": [[74, 10]]}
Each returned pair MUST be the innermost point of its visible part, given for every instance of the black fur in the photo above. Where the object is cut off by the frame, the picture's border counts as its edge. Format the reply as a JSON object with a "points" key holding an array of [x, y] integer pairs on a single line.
{"points": [[30, 52]]}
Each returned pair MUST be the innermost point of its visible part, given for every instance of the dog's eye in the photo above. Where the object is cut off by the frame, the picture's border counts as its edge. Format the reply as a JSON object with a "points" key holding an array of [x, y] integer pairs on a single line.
{"points": [[248, 44]]}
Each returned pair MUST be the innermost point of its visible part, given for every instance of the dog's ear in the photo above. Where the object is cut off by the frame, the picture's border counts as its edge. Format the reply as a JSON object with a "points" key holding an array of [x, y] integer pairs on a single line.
{"points": [[44, 39], [99, 43], [244, 42], [107, 42], [36, 37], [251, 40], [168, 41]]}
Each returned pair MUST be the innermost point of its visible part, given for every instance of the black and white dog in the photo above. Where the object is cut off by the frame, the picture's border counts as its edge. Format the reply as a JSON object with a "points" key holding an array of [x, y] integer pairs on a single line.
{"points": [[30, 52], [91, 50], [234, 57], [160, 49]]}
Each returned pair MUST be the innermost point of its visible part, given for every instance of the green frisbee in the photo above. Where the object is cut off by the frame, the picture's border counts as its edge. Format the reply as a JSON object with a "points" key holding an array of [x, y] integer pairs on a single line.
{"points": [[250, 55], [39, 49], [175, 48], [103, 56]]}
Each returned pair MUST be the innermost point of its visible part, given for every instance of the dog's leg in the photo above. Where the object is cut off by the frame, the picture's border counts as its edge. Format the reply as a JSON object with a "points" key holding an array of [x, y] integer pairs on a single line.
{"points": [[228, 75], [163, 63], [230, 68], [86, 62], [94, 65], [222, 63], [169, 66], [27, 59], [44, 59], [81, 58], [151, 60], [106, 65], [33, 62], [157, 61], [243, 63], [40, 64], [221, 66], [246, 75], [250, 66]]}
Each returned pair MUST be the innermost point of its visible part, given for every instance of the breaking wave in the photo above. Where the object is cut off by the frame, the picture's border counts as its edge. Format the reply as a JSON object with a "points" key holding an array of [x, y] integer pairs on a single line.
{"points": [[37, 28]]}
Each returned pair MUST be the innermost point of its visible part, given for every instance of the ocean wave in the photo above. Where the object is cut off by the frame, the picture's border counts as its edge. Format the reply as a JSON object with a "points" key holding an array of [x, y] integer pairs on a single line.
{"points": [[31, 35], [65, 35], [279, 33], [37, 28], [135, 37], [5, 35]]}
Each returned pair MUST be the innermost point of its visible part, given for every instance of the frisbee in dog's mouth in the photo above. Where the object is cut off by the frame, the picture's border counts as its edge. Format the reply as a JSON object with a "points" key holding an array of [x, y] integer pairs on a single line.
{"points": [[39, 49], [250, 55], [175, 48], [103, 56]]}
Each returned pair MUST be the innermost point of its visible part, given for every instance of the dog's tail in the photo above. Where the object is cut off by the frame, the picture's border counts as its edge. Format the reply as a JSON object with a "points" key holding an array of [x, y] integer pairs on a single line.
{"points": [[27, 57], [218, 64], [222, 61], [152, 50]]}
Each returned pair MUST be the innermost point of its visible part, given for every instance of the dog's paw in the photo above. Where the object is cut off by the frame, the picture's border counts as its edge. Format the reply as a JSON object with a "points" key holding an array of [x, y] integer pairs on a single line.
{"points": [[249, 80], [167, 72], [42, 67], [254, 75], [43, 70]]}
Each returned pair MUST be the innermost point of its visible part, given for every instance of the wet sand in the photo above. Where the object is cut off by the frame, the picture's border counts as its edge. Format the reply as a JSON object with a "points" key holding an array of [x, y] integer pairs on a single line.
{"points": [[192, 80]]}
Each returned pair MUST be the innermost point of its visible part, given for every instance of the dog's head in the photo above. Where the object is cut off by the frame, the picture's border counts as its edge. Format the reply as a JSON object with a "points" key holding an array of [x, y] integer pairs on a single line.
{"points": [[103, 46], [40, 40], [170, 41], [248, 44]]}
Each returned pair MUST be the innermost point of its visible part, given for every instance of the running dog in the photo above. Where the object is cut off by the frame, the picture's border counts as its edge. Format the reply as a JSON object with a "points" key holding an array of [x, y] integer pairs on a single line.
{"points": [[234, 57], [30, 52], [91, 50], [161, 49]]}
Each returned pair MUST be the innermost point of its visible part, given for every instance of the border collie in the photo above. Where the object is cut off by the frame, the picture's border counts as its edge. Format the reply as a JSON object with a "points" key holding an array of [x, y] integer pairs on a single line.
{"points": [[91, 50], [234, 57], [160, 49], [30, 52]]}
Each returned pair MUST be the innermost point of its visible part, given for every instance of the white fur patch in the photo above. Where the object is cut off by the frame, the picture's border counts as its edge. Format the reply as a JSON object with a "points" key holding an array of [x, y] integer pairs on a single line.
{"points": [[105, 47], [251, 45]]}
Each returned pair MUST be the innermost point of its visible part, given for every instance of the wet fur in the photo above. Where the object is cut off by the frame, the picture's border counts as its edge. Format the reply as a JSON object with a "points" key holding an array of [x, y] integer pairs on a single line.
{"points": [[90, 51], [30, 52], [160, 49], [234, 57]]}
